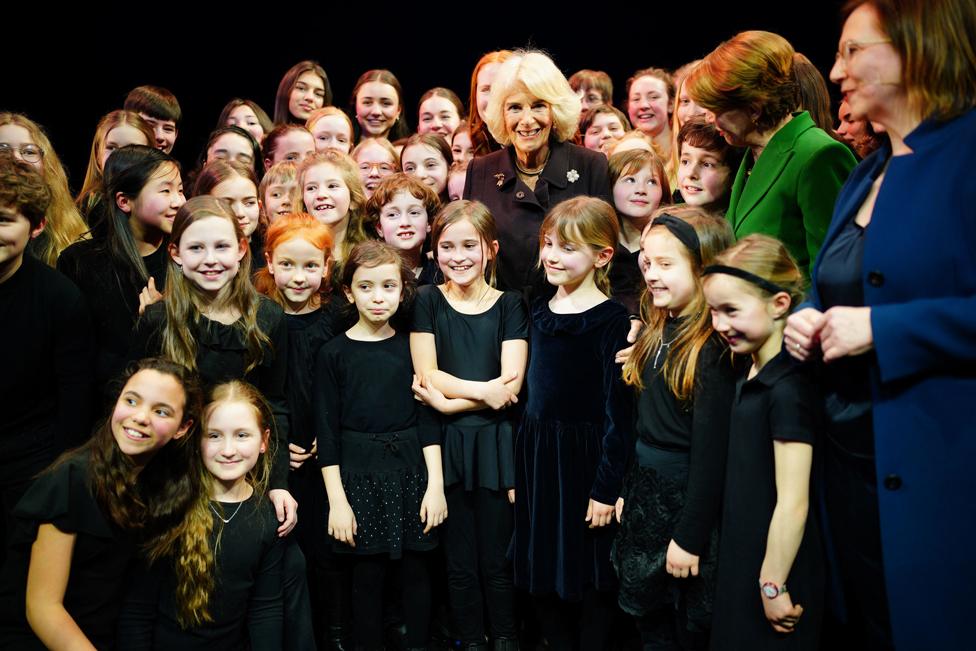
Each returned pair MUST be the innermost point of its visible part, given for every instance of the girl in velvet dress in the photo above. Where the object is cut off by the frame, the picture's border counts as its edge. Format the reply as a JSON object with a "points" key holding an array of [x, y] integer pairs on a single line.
{"points": [[575, 435]]}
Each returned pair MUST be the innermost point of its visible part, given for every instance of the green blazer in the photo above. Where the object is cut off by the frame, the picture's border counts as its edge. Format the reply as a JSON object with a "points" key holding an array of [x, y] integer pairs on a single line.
{"points": [[789, 192]]}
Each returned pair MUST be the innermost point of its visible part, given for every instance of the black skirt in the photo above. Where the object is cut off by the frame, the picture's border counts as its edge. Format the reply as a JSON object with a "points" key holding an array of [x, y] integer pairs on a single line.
{"points": [[385, 478], [654, 495]]}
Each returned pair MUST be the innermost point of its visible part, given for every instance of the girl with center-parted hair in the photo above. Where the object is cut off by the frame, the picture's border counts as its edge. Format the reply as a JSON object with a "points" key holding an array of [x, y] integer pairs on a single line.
{"points": [[303, 89], [376, 159], [231, 144], [114, 131], [84, 519], [534, 114], [26, 141], [439, 111], [119, 272], [789, 178], [291, 143], [331, 128], [469, 352], [574, 439], [377, 103], [665, 552]]}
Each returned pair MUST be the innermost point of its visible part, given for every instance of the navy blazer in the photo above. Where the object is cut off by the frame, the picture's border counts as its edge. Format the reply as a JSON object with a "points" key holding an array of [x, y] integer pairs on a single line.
{"points": [[519, 211], [919, 279]]}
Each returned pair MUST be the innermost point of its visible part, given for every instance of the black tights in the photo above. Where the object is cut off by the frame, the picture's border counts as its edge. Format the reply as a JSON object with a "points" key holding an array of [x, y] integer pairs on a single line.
{"points": [[667, 630], [369, 574], [577, 625], [476, 538]]}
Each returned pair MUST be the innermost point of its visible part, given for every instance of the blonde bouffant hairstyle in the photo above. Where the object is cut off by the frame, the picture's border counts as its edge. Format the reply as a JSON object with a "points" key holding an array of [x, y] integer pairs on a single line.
{"points": [[534, 72]]}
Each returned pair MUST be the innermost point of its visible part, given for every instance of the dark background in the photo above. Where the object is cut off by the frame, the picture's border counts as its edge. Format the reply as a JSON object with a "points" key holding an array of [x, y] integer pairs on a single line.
{"points": [[206, 56]]}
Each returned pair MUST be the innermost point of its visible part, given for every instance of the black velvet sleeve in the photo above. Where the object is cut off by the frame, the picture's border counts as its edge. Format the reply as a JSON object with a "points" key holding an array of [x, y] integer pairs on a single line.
{"points": [[618, 441], [711, 413]]}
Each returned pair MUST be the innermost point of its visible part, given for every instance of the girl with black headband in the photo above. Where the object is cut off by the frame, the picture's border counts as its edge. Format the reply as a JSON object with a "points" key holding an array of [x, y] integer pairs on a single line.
{"points": [[665, 552], [770, 537]]}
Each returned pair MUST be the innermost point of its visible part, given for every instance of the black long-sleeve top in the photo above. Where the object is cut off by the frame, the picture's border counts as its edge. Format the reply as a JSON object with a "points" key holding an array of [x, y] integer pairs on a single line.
{"points": [[246, 604], [364, 386], [699, 427], [46, 387], [307, 333], [112, 295], [222, 356]]}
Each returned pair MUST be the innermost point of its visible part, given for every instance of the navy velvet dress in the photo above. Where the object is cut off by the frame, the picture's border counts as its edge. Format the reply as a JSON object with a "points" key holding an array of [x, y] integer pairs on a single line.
{"points": [[573, 444]]}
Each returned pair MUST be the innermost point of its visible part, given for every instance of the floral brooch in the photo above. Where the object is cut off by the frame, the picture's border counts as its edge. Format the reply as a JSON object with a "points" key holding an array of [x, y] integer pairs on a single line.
{"points": [[572, 176], [500, 179]]}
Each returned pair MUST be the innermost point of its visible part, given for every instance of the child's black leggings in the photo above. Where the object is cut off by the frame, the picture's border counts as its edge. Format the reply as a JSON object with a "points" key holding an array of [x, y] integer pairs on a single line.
{"points": [[368, 577], [476, 536]]}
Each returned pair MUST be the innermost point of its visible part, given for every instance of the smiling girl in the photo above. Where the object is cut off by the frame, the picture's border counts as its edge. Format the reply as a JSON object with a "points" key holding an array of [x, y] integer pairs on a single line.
{"points": [[144, 191], [439, 112], [770, 535], [377, 102], [331, 128], [469, 352], [376, 159], [573, 442], [304, 88], [428, 158], [639, 185], [379, 450], [80, 524], [334, 195], [666, 549], [650, 102]]}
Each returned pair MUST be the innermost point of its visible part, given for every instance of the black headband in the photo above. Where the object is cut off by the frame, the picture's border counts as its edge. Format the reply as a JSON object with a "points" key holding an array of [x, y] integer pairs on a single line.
{"points": [[682, 230], [759, 281]]}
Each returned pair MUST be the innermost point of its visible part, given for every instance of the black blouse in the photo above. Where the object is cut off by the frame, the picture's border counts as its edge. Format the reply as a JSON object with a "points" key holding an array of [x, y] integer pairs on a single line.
{"points": [[222, 356], [699, 427]]}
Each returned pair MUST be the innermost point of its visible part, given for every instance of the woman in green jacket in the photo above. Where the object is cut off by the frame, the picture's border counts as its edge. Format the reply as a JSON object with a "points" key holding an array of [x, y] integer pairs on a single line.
{"points": [[792, 171]]}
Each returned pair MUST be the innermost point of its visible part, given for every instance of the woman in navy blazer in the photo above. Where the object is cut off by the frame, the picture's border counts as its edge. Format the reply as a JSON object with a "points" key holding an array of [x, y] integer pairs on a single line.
{"points": [[892, 311]]}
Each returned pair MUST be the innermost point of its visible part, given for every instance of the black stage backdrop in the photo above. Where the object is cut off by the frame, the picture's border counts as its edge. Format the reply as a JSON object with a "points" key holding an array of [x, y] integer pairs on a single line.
{"points": [[208, 54]]}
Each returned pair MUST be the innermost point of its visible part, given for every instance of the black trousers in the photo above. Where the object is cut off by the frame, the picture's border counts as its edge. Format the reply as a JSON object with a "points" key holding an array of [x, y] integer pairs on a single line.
{"points": [[476, 536], [577, 625], [851, 499]]}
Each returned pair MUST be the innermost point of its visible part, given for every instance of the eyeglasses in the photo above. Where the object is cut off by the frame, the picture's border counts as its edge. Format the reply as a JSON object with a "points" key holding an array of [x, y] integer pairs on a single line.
{"points": [[852, 47], [383, 168], [28, 153]]}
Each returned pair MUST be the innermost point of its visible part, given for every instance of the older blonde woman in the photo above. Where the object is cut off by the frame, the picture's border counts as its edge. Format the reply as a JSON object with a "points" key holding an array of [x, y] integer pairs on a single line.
{"points": [[533, 112]]}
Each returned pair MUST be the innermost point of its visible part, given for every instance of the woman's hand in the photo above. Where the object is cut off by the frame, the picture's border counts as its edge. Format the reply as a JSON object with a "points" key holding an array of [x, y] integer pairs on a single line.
{"points": [[148, 296], [846, 332], [297, 455], [342, 523], [496, 393], [679, 563], [618, 509], [286, 508], [598, 514], [433, 508], [781, 613], [803, 332]]}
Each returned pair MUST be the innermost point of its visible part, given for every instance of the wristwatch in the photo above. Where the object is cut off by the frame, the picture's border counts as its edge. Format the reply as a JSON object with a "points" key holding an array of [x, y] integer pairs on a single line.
{"points": [[770, 590]]}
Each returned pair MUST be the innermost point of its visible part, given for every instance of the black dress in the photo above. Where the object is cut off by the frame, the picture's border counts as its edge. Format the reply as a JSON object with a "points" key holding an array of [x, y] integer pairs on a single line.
{"points": [[573, 444], [246, 604], [369, 424], [96, 585], [477, 444], [674, 491], [780, 403], [626, 279], [112, 293]]}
